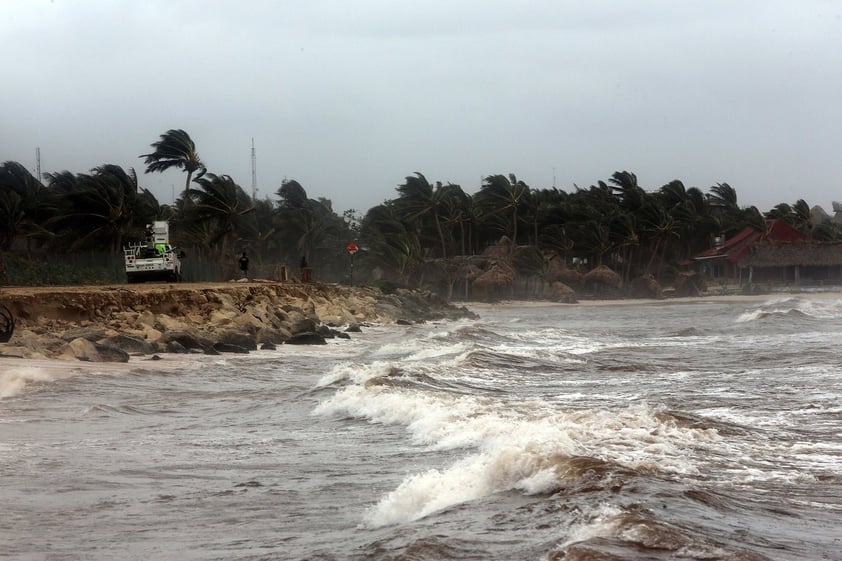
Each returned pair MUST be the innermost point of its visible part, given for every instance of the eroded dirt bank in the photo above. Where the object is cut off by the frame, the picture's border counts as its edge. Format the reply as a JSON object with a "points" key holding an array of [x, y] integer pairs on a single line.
{"points": [[110, 323]]}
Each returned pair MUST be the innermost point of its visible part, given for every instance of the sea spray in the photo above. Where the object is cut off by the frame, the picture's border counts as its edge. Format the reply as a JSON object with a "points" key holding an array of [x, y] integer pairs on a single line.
{"points": [[15, 379]]}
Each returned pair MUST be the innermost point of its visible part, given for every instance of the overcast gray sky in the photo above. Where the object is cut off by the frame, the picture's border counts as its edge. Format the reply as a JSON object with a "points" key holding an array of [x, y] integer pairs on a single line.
{"points": [[350, 96]]}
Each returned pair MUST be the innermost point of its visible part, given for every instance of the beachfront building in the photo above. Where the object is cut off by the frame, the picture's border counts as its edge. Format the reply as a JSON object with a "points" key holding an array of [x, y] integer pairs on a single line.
{"points": [[779, 255]]}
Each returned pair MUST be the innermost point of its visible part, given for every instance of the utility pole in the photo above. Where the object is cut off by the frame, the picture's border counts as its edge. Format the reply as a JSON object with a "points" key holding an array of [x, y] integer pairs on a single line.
{"points": [[253, 173]]}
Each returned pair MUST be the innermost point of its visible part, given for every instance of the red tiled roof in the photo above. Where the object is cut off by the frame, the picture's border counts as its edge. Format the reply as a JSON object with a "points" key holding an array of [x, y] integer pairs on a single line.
{"points": [[736, 247], [780, 231], [746, 234]]}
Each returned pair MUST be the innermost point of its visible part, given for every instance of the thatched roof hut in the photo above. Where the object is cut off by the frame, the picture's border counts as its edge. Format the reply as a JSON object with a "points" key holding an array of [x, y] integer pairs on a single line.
{"points": [[501, 251], [602, 276], [560, 292], [494, 284], [689, 284], [645, 287], [558, 271]]}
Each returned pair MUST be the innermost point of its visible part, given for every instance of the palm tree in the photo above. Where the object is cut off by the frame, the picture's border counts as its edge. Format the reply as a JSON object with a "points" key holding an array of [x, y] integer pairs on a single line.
{"points": [[500, 194], [175, 149], [292, 195], [99, 209], [457, 211], [660, 227], [223, 204], [632, 196], [310, 226], [691, 211], [723, 202], [260, 229], [21, 205], [803, 216], [391, 242], [797, 215], [418, 198]]}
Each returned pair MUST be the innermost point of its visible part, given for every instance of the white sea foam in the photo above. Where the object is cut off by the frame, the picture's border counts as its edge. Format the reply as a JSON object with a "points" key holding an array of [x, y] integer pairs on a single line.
{"points": [[13, 380], [355, 372], [400, 348], [515, 445], [819, 308], [16, 376], [435, 352], [603, 523]]}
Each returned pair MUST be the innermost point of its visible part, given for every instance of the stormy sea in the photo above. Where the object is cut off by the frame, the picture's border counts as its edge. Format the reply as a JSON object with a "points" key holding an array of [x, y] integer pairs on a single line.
{"points": [[661, 430]]}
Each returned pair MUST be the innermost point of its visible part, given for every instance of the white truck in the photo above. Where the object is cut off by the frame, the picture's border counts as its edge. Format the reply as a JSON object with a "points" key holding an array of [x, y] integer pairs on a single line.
{"points": [[154, 259]]}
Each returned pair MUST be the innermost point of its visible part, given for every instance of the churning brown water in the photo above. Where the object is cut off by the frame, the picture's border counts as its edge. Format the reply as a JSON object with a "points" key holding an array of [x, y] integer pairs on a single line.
{"points": [[704, 430]]}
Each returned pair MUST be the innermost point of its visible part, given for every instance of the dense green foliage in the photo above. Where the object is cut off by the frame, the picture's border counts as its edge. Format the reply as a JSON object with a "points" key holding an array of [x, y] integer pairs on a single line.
{"points": [[618, 223]]}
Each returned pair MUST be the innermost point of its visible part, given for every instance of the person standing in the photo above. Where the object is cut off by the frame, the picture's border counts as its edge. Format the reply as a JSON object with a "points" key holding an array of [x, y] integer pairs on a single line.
{"points": [[244, 266], [305, 270]]}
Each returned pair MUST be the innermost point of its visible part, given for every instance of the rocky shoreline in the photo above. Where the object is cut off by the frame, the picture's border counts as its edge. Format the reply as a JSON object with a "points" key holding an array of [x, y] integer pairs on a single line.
{"points": [[113, 323]]}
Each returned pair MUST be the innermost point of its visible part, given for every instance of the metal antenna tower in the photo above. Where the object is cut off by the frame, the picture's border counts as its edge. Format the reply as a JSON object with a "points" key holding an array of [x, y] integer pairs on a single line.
{"points": [[253, 172], [38, 162]]}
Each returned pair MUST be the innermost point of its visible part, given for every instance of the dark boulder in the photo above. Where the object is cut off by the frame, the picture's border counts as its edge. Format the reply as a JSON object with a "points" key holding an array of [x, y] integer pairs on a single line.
{"points": [[306, 338], [238, 339], [131, 345], [174, 346], [88, 351], [111, 354], [229, 348], [92, 334], [305, 325], [186, 340]]}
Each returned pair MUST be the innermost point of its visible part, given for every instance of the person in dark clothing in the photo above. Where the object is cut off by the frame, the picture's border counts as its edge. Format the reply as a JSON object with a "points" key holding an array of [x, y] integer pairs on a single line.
{"points": [[305, 271], [244, 266]]}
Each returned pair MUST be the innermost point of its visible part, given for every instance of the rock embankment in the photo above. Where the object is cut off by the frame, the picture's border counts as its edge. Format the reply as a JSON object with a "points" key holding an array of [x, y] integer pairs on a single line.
{"points": [[114, 322]]}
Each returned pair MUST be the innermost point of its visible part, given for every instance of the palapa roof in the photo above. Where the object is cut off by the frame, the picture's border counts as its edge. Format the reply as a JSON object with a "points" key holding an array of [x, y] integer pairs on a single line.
{"points": [[604, 275], [495, 276], [557, 270], [805, 254]]}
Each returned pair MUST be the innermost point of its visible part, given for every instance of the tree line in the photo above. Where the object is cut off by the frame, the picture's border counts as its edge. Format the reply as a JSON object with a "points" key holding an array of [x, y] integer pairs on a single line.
{"points": [[615, 222]]}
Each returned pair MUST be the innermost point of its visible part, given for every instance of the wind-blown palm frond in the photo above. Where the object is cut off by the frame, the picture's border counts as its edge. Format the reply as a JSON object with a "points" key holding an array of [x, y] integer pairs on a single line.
{"points": [[175, 149], [100, 208], [222, 203], [500, 195], [23, 207]]}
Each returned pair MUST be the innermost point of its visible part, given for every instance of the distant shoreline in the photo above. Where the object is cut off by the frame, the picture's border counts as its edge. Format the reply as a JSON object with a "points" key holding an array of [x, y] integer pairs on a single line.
{"points": [[836, 293]]}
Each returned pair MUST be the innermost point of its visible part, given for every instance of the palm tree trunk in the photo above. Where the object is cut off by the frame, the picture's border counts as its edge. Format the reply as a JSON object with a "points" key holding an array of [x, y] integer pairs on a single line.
{"points": [[654, 254], [441, 235], [184, 197], [514, 226]]}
